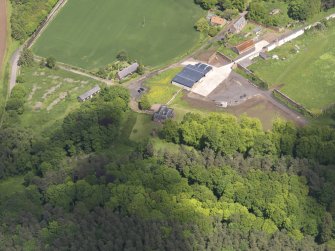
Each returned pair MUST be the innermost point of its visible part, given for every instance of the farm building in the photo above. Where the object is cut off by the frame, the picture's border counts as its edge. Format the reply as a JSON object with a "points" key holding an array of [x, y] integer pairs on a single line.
{"points": [[163, 114], [191, 75], [89, 94], [239, 24], [244, 47], [218, 21], [127, 71]]}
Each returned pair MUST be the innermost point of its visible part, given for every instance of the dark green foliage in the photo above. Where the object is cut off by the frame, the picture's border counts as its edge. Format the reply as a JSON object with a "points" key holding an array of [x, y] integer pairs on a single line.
{"points": [[27, 15], [140, 69], [122, 56], [302, 10], [216, 131], [96, 124], [15, 151], [144, 103], [26, 58], [238, 188], [17, 99], [51, 62]]}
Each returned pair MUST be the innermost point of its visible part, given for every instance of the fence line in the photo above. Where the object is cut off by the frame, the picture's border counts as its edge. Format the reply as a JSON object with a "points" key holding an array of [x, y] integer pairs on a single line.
{"points": [[291, 102]]}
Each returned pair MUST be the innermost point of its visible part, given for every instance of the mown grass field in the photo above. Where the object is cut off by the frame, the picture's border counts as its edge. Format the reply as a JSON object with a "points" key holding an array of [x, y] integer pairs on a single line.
{"points": [[52, 94], [89, 33], [306, 76]]}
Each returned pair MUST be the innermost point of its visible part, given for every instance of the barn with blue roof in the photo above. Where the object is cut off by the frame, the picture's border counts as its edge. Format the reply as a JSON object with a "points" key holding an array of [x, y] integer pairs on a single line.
{"points": [[191, 75]]}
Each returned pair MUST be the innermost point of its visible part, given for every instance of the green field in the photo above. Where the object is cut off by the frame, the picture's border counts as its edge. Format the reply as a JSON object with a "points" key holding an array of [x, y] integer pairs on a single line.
{"points": [[306, 76], [160, 88], [52, 94], [89, 33]]}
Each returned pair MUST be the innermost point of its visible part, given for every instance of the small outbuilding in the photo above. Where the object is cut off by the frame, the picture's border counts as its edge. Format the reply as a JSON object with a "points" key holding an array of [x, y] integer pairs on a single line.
{"points": [[218, 21], [244, 47], [264, 55], [89, 94], [127, 71], [163, 114]]}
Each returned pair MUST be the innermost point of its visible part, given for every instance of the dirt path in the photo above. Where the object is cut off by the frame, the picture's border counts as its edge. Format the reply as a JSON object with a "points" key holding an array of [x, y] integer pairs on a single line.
{"points": [[3, 31], [78, 72]]}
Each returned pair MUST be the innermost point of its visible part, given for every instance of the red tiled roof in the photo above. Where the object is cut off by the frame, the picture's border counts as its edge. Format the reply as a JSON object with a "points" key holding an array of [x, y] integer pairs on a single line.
{"points": [[244, 46], [218, 20]]}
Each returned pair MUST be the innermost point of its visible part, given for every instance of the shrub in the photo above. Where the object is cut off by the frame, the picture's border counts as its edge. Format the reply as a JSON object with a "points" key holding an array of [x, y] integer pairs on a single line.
{"points": [[144, 103], [51, 62]]}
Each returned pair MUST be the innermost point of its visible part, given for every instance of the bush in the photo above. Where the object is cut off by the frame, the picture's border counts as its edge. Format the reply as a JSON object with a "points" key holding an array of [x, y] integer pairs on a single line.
{"points": [[144, 103], [26, 58], [140, 69], [122, 56], [213, 31], [202, 25], [19, 79], [51, 62]]}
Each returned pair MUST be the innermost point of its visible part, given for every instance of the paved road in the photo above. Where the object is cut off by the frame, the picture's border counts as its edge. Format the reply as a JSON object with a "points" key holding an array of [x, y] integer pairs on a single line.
{"points": [[3, 31], [14, 68]]}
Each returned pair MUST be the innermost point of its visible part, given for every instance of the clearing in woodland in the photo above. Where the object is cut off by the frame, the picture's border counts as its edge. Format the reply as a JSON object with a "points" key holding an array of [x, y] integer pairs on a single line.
{"points": [[90, 34], [51, 95]]}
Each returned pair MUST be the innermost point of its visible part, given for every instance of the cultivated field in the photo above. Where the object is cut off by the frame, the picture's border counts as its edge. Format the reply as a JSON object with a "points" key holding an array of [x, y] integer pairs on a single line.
{"points": [[89, 33], [305, 70], [52, 94]]}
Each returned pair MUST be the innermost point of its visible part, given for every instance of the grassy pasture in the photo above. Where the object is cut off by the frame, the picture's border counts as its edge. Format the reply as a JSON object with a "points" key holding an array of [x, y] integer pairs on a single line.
{"points": [[307, 76], [52, 94], [89, 33], [160, 88]]}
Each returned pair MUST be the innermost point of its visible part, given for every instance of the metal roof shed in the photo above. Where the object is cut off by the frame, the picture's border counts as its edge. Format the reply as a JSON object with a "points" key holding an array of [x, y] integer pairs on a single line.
{"points": [[89, 94], [127, 71]]}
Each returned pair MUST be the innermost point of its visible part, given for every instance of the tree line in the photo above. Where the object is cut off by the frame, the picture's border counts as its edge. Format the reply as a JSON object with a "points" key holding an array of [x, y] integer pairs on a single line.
{"points": [[224, 183]]}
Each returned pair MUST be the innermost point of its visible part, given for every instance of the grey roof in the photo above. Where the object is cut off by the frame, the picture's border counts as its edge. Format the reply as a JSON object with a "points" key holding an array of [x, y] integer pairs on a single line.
{"points": [[257, 29], [240, 23], [191, 74], [128, 70], [89, 93], [264, 55], [163, 113]]}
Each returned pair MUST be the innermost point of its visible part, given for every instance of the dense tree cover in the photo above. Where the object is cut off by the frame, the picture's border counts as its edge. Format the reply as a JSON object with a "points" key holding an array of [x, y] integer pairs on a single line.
{"points": [[93, 127], [217, 130], [161, 201], [297, 9], [27, 15], [241, 189]]}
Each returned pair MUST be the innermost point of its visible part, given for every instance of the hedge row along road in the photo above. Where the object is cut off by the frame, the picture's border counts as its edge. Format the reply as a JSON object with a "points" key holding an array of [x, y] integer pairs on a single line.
{"points": [[3, 31]]}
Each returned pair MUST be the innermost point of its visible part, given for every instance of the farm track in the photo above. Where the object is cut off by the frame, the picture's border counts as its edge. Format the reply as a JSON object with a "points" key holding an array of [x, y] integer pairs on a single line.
{"points": [[78, 72], [3, 31]]}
